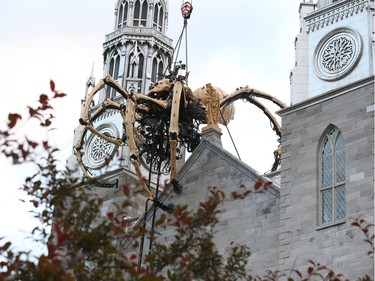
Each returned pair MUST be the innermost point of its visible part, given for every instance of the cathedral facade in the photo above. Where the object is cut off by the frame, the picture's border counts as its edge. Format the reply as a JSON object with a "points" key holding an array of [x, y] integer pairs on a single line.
{"points": [[327, 170], [326, 176]]}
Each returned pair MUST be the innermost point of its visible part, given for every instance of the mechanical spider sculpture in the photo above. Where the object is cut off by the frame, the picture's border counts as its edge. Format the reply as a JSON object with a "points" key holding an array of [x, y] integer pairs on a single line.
{"points": [[158, 125]]}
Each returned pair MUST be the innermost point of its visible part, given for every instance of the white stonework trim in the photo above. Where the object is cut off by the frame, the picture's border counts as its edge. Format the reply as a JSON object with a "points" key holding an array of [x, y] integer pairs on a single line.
{"points": [[326, 225], [329, 15], [370, 108], [357, 177], [138, 32], [327, 96]]}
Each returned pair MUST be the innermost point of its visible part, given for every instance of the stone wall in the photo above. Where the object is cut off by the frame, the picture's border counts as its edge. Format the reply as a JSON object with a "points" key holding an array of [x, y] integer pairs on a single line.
{"points": [[252, 221], [301, 238]]}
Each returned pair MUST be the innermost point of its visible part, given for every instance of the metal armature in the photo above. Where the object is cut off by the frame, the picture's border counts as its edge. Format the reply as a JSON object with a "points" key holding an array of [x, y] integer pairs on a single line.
{"points": [[155, 127], [158, 125]]}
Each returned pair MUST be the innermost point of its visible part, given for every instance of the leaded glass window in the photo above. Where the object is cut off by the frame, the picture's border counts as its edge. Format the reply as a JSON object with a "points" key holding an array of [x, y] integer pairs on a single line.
{"points": [[332, 178]]}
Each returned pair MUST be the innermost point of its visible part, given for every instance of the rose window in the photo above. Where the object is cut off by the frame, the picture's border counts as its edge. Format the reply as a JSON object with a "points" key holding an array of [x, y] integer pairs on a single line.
{"points": [[99, 151], [337, 54]]}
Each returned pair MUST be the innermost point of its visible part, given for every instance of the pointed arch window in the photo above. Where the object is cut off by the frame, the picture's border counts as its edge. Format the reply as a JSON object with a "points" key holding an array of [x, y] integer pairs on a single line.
{"points": [[117, 68], [136, 65], [110, 72], [122, 17], [114, 71], [157, 69], [140, 13], [119, 18], [158, 17], [111, 64], [332, 193], [140, 66], [154, 70], [132, 65], [125, 18]]}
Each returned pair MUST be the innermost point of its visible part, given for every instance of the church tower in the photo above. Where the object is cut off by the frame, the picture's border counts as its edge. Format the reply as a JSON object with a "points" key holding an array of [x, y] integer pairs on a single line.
{"points": [[327, 166], [136, 54]]}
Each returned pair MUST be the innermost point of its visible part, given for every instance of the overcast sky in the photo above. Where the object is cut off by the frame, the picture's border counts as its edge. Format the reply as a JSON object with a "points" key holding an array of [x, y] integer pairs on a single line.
{"points": [[230, 44]]}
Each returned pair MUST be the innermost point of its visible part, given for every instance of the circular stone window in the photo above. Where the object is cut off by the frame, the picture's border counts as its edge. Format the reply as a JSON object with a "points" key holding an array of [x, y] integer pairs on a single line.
{"points": [[337, 54], [98, 150]]}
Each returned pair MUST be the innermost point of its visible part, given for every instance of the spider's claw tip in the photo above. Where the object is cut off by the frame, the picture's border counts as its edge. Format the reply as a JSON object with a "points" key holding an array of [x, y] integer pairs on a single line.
{"points": [[177, 188]]}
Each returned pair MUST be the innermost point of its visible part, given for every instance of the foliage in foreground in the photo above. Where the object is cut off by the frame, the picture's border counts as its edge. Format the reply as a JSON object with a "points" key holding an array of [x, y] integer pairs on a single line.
{"points": [[82, 247]]}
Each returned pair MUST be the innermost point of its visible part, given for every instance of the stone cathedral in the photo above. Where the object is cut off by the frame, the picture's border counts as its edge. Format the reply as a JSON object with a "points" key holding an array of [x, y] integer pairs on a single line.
{"points": [[326, 174]]}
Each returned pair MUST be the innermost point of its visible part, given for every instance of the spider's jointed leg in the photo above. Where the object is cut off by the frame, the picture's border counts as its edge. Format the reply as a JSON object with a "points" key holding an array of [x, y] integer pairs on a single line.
{"points": [[129, 119], [173, 134]]}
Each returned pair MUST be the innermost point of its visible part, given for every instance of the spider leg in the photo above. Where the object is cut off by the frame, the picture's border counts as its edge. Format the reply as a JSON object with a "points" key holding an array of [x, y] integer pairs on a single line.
{"points": [[77, 150], [92, 111], [173, 134], [87, 121], [250, 95], [128, 116]]}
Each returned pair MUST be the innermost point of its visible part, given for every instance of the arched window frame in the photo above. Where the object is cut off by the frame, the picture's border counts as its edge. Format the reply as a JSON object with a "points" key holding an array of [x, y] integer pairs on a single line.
{"points": [[136, 64], [114, 71], [131, 66], [141, 62], [158, 20], [157, 68], [122, 16], [332, 178], [140, 13], [117, 68], [119, 16], [126, 12]]}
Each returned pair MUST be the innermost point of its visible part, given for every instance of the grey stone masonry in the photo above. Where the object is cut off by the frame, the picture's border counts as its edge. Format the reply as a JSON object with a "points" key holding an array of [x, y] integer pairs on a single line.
{"points": [[339, 246], [252, 221]]}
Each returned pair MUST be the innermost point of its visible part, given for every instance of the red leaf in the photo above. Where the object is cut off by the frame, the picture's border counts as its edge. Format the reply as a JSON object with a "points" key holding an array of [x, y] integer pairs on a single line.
{"points": [[110, 215], [312, 262], [46, 145], [310, 270], [125, 189], [46, 123], [6, 246], [15, 157], [59, 95], [33, 111], [31, 143], [13, 118], [52, 85], [267, 184], [258, 185], [43, 99], [133, 257]]}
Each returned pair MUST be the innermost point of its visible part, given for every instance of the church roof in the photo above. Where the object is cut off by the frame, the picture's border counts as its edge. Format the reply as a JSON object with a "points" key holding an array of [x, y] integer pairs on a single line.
{"points": [[220, 164]]}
